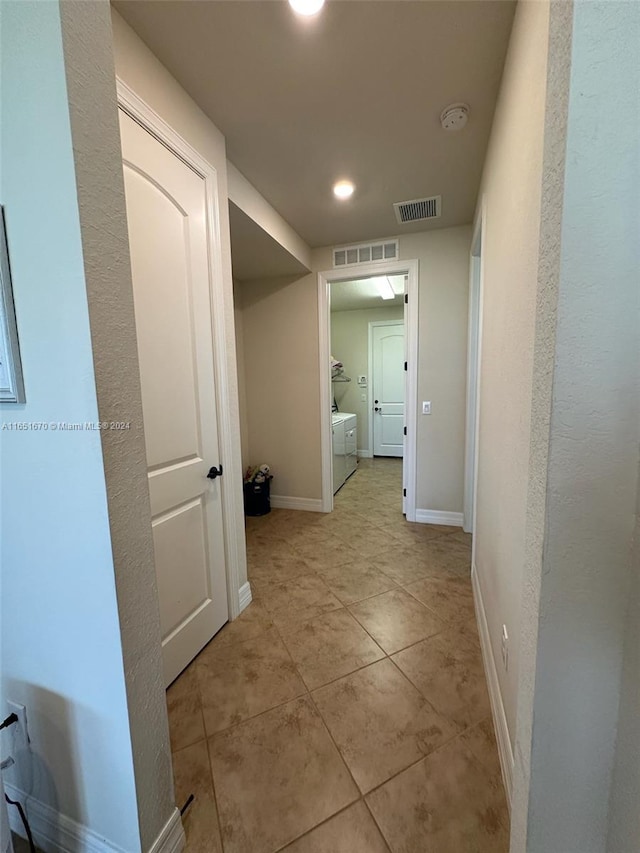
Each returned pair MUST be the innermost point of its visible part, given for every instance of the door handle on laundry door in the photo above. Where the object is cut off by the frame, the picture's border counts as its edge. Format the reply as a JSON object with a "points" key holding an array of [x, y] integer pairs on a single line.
{"points": [[214, 472]]}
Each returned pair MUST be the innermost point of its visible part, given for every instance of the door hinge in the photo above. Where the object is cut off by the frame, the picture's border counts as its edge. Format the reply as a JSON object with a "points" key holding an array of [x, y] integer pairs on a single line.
{"points": [[405, 430], [405, 365], [404, 493], [406, 299]]}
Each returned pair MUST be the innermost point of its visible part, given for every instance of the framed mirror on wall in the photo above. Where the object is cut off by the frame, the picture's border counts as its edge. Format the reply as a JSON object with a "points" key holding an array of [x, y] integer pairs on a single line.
{"points": [[11, 382]]}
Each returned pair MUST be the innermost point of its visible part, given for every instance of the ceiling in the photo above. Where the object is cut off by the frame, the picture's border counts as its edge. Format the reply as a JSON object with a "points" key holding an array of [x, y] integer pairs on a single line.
{"points": [[355, 92], [363, 293], [255, 254]]}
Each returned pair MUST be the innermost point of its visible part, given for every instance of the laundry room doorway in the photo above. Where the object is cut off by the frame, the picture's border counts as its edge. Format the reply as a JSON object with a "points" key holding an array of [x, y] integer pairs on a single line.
{"points": [[368, 340]]}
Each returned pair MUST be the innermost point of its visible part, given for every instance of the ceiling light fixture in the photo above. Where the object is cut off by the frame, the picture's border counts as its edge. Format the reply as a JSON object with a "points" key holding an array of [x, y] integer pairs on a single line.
{"points": [[343, 189], [306, 7], [385, 289]]}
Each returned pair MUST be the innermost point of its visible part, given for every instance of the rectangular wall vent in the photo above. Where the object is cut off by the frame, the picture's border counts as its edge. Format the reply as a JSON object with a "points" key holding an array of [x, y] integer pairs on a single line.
{"points": [[418, 209], [367, 253]]}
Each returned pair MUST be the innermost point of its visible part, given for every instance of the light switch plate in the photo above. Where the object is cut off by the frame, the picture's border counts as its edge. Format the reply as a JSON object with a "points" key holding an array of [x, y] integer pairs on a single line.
{"points": [[362, 380], [426, 407]]}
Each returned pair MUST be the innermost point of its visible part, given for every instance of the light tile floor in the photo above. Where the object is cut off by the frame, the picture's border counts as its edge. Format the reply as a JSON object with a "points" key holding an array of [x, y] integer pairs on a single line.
{"points": [[346, 710]]}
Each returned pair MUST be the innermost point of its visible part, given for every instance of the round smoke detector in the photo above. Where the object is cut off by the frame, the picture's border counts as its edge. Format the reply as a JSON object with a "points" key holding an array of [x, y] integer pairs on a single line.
{"points": [[454, 117]]}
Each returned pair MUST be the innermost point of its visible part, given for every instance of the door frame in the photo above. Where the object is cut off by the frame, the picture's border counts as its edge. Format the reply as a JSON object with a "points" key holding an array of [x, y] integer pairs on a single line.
{"points": [[372, 324], [224, 368], [410, 269], [474, 362]]}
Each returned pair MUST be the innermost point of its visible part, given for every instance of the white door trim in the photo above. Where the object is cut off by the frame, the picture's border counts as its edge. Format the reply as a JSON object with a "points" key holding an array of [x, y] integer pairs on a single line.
{"points": [[232, 501], [373, 323], [474, 359], [325, 279]]}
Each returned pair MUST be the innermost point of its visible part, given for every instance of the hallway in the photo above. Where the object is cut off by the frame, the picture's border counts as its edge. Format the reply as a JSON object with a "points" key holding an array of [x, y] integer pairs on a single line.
{"points": [[346, 709]]}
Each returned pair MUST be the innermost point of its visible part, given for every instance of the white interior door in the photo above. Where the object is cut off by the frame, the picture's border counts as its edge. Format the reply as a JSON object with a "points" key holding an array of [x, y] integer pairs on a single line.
{"points": [[388, 354], [168, 236]]}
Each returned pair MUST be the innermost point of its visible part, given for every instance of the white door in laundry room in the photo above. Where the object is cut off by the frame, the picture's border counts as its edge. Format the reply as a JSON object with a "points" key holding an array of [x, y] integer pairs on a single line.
{"points": [[169, 243], [388, 385]]}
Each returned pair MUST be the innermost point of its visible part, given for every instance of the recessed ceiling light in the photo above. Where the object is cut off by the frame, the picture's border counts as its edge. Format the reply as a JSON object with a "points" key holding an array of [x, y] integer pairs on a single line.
{"points": [[306, 7], [343, 189]]}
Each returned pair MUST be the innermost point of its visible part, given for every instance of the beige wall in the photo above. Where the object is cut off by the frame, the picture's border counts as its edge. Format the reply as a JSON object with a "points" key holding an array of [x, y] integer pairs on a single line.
{"points": [[350, 345], [624, 818], [242, 382], [279, 320], [280, 323], [510, 194], [442, 363]]}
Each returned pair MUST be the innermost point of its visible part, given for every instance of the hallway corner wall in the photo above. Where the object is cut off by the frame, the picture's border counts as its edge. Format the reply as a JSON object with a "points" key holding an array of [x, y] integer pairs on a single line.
{"points": [[582, 737], [62, 654], [510, 196]]}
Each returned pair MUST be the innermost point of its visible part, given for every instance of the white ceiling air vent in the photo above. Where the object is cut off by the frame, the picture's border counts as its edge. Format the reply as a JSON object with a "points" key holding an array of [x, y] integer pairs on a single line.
{"points": [[366, 253], [418, 209]]}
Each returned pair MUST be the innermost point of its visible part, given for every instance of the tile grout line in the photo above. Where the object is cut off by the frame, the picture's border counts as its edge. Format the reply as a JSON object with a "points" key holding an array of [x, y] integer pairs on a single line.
{"points": [[215, 794], [314, 571]]}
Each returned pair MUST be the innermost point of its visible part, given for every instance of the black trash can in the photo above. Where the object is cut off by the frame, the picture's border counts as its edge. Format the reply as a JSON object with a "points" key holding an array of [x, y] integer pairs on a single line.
{"points": [[256, 498]]}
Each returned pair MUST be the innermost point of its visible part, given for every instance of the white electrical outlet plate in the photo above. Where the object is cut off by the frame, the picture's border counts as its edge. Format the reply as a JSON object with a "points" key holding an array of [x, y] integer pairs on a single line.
{"points": [[426, 407]]}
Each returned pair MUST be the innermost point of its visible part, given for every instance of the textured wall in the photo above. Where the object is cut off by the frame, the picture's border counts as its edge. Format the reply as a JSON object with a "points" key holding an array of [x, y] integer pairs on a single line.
{"points": [[558, 69], [96, 138], [593, 447], [61, 651], [511, 195], [350, 344]]}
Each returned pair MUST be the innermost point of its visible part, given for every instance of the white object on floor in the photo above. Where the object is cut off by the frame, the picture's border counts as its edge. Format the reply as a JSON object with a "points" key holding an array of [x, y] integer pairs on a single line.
{"points": [[345, 447]]}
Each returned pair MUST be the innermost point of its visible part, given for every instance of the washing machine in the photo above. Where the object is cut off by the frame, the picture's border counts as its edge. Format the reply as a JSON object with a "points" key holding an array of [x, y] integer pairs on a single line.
{"points": [[345, 447]]}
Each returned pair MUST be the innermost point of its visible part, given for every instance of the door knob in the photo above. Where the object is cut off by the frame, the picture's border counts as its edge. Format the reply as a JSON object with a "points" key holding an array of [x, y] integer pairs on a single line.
{"points": [[377, 408], [214, 472]]}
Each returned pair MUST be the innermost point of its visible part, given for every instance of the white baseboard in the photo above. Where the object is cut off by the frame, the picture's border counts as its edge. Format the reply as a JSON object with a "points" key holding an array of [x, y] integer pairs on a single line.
{"points": [[307, 504], [244, 594], [365, 454], [436, 516], [54, 832], [172, 838], [497, 706]]}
